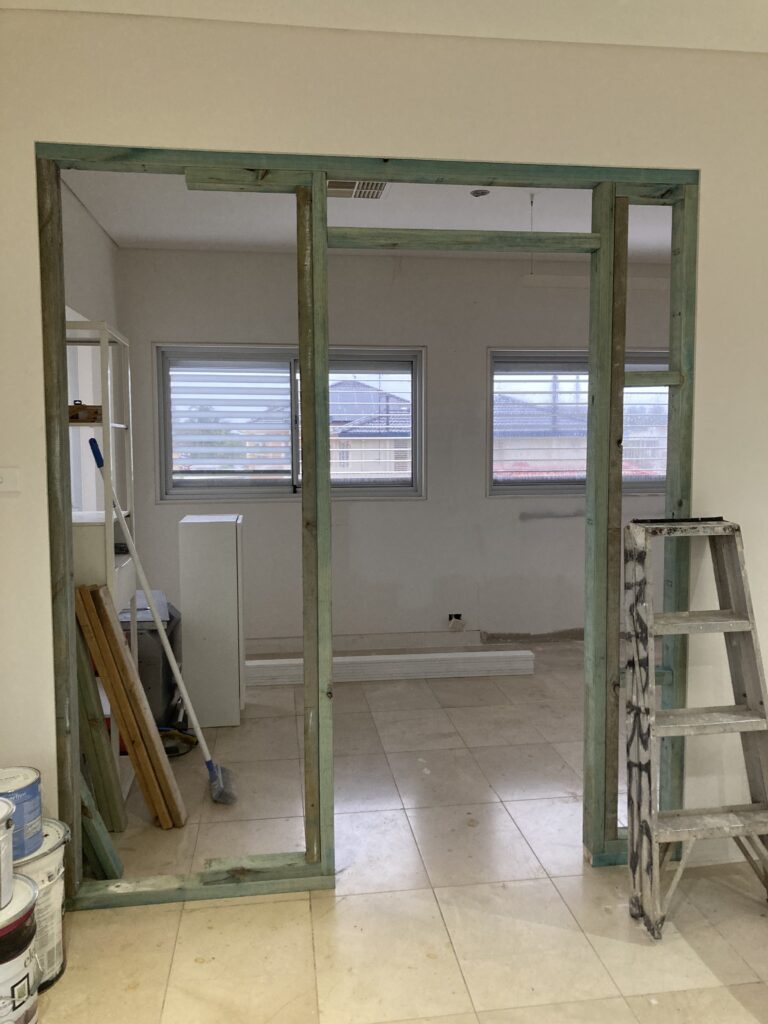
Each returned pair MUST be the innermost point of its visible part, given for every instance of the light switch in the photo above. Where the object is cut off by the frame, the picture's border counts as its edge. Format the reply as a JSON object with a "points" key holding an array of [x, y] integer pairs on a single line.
{"points": [[9, 480]]}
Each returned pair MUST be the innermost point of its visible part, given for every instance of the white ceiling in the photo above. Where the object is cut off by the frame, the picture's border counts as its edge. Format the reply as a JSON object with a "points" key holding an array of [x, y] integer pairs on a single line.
{"points": [[157, 211]]}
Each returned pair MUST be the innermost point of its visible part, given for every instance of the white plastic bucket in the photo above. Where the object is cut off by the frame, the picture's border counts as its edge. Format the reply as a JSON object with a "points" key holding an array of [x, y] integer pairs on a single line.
{"points": [[46, 869], [22, 787], [19, 971], [6, 852]]}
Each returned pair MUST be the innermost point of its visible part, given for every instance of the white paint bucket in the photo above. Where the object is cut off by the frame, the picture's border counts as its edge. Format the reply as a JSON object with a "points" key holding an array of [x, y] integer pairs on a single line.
{"points": [[19, 971], [22, 787], [46, 869], [6, 852]]}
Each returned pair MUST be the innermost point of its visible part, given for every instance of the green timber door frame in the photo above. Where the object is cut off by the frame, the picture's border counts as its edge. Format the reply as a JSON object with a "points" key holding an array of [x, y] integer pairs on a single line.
{"points": [[614, 189]]}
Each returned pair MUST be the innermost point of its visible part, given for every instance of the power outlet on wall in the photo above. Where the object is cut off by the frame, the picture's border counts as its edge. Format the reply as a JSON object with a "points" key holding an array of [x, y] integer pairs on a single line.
{"points": [[455, 622]]}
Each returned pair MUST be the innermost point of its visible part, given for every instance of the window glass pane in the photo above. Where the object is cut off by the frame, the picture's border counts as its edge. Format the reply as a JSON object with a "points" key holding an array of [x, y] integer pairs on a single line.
{"points": [[371, 422], [540, 425], [230, 421]]}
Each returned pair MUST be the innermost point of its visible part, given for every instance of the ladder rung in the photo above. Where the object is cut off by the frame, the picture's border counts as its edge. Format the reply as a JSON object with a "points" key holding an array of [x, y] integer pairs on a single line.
{"points": [[702, 721], [709, 823], [721, 620], [686, 527]]}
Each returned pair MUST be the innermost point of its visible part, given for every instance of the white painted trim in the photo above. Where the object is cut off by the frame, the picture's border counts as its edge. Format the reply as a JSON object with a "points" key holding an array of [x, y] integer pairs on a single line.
{"points": [[366, 643], [363, 668]]}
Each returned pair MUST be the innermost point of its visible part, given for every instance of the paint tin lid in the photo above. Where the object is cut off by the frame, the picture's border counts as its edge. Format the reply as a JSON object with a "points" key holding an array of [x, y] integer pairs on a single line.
{"points": [[21, 905], [55, 834], [6, 813], [12, 779]]}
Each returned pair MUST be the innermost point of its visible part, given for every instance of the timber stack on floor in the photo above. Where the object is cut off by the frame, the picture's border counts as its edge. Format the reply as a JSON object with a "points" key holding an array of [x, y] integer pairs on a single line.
{"points": [[653, 832], [106, 645]]}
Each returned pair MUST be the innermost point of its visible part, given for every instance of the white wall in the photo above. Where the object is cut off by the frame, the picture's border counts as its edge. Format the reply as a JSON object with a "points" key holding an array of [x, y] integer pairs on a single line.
{"points": [[403, 564], [89, 262], [133, 81]]}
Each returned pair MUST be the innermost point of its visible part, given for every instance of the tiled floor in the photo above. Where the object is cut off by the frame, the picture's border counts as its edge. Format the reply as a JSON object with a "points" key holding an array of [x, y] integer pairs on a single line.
{"points": [[461, 893]]}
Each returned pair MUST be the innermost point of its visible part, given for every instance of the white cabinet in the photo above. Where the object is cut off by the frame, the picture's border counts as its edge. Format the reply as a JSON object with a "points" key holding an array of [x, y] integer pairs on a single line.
{"points": [[210, 596]]}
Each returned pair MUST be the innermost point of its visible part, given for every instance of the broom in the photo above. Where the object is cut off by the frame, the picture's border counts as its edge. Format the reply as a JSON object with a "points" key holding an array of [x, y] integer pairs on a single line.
{"points": [[222, 790]]}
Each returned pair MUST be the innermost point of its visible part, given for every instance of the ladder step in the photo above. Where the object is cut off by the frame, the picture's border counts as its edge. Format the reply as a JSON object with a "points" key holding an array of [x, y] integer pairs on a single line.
{"points": [[702, 721], [687, 527], [721, 620], [709, 823]]}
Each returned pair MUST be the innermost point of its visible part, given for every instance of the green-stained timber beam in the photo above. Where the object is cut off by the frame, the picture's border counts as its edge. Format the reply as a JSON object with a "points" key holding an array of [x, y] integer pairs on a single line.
{"points": [[449, 172], [614, 602], [311, 218], [598, 470], [60, 512], [241, 179], [653, 379], [424, 239], [679, 473]]}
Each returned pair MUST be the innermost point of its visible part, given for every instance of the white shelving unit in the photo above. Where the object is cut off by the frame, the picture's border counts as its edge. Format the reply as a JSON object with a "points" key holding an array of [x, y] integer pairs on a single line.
{"points": [[99, 386]]}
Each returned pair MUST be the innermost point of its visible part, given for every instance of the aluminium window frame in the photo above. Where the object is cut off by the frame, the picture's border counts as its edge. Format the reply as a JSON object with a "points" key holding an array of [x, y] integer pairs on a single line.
{"points": [[545, 359], [222, 491]]}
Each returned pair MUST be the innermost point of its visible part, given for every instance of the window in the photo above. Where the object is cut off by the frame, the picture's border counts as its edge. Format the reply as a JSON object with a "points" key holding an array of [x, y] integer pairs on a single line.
{"points": [[231, 421], [539, 423]]}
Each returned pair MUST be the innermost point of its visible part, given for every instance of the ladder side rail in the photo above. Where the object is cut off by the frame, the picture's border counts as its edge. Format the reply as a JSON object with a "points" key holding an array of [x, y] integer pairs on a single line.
{"points": [[632, 721]]}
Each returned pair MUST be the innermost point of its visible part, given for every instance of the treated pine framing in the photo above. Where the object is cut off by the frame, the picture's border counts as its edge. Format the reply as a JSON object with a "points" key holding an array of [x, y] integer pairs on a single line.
{"points": [[427, 239], [597, 520], [60, 513], [311, 219], [677, 561], [653, 379], [614, 557], [645, 182], [252, 172]]}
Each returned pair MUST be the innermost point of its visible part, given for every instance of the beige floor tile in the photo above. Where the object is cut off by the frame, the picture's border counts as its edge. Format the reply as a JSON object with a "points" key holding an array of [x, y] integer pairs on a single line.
{"points": [[258, 739], [561, 721], [453, 1018], [146, 849], [742, 1004], [265, 789], [376, 852], [268, 701], [518, 945], [400, 695], [416, 730], [244, 838], [117, 966], [496, 726], [354, 732], [733, 901], [192, 779], [572, 752], [553, 829], [590, 1011], [433, 778], [532, 689], [364, 782], [244, 964], [527, 772], [243, 901], [471, 844], [384, 957], [690, 955], [466, 693]]}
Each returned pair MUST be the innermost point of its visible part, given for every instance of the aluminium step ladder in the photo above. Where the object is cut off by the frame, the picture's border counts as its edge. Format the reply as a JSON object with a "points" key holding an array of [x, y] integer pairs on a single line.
{"points": [[652, 832]]}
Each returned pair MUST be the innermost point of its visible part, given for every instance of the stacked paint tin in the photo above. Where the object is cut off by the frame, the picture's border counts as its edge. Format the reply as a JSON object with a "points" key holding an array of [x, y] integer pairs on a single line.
{"points": [[31, 895]]}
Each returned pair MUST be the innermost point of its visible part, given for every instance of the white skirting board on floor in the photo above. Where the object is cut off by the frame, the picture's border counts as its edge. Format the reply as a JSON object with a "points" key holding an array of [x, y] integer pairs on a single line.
{"points": [[366, 668]]}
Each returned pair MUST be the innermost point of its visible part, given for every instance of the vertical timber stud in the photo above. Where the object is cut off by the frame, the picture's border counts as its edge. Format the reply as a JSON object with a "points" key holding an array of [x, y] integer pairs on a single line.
{"points": [[60, 511], [614, 596], [311, 217], [598, 473], [677, 559]]}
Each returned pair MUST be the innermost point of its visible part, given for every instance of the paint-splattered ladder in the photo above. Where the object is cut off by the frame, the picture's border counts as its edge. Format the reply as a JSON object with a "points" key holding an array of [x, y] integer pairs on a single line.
{"points": [[653, 833]]}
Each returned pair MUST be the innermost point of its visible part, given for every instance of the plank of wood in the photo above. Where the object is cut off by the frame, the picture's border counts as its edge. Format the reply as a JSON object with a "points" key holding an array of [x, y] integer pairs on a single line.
{"points": [[718, 620], [95, 744], [426, 239], [54, 361], [102, 847], [138, 698], [102, 655]]}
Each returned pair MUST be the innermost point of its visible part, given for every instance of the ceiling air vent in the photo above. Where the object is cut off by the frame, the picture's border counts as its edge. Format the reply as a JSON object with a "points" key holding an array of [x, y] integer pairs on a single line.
{"points": [[347, 189]]}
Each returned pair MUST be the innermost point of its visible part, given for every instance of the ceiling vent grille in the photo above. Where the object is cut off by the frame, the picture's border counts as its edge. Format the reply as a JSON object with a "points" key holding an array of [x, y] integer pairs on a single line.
{"points": [[349, 189]]}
